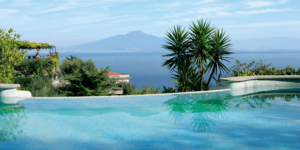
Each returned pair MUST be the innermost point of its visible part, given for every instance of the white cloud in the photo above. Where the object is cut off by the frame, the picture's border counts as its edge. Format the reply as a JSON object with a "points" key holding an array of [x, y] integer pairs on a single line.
{"points": [[283, 1], [224, 13], [174, 22], [21, 3], [284, 23], [210, 9], [7, 11], [93, 18], [69, 5], [259, 4], [175, 15], [262, 11], [205, 1]]}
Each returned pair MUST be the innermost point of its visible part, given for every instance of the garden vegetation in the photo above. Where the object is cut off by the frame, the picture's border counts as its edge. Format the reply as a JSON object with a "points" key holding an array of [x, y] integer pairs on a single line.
{"points": [[194, 52]]}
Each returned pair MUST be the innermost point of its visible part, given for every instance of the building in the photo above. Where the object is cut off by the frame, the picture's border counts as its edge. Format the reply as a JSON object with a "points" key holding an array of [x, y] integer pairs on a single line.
{"points": [[119, 76]]}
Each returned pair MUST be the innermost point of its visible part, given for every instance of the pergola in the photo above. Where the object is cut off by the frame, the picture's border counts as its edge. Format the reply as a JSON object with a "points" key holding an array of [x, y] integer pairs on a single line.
{"points": [[26, 45]]}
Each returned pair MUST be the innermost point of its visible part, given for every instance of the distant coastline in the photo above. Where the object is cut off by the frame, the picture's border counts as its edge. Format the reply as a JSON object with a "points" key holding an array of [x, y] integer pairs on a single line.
{"points": [[271, 51]]}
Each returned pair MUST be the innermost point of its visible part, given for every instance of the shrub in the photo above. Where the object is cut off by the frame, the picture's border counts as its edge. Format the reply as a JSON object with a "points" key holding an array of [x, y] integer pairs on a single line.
{"points": [[35, 67], [149, 90], [68, 66], [39, 86], [128, 89], [169, 90], [85, 83], [298, 72], [258, 68], [9, 54]]}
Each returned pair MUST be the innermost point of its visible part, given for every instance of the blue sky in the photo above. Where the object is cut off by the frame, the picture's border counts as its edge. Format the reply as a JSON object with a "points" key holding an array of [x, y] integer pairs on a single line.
{"points": [[72, 22]]}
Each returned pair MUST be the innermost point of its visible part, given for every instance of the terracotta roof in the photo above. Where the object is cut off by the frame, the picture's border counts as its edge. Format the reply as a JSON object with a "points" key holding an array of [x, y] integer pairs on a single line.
{"points": [[112, 73]]}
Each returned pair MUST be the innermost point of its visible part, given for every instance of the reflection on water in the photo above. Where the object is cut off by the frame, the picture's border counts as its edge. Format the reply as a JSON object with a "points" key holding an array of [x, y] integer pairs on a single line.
{"points": [[201, 113], [11, 121]]}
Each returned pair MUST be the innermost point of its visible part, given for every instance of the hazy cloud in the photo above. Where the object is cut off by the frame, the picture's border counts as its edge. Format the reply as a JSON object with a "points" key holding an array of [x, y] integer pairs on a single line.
{"points": [[7, 11], [283, 1], [205, 1], [210, 9], [262, 11], [291, 22], [259, 4]]}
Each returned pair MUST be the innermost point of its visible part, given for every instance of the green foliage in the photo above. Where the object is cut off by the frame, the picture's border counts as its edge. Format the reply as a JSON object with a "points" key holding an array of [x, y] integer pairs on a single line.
{"points": [[68, 66], [35, 67], [72, 57], [201, 45], [86, 83], [39, 86], [298, 72], [169, 90], [32, 45], [128, 89], [149, 90], [258, 68], [220, 50], [55, 60], [194, 53], [9, 54], [42, 87]]}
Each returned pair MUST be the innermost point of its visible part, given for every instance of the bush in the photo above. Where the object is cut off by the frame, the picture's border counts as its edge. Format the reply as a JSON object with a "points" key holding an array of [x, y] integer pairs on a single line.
{"points": [[149, 90], [68, 66], [39, 86], [169, 90], [128, 89], [258, 68], [85, 83], [35, 67], [298, 72]]}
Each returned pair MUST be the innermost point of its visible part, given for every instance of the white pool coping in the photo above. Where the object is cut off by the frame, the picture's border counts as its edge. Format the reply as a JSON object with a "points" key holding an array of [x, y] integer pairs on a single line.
{"points": [[9, 86], [267, 77]]}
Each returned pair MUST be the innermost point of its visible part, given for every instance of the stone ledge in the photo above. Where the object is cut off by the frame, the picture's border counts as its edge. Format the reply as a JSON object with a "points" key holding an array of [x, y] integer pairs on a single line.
{"points": [[272, 77], [14, 93], [9, 86]]}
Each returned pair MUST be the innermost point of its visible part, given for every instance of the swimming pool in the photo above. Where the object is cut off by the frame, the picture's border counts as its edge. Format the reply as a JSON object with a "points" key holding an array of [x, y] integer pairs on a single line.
{"points": [[213, 120]]}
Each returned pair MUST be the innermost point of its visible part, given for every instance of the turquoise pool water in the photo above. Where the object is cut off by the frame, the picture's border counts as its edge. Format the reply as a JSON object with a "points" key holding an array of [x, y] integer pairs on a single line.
{"points": [[183, 121]]}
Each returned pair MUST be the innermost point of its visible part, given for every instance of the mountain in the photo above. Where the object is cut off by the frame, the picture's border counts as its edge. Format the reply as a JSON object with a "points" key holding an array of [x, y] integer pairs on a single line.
{"points": [[133, 41], [138, 41], [276, 43]]}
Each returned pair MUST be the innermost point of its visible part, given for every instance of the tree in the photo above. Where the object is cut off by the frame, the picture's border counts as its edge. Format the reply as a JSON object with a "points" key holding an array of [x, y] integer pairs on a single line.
{"points": [[9, 54], [71, 64], [85, 83], [177, 44], [195, 52], [220, 50], [200, 39], [72, 57]]}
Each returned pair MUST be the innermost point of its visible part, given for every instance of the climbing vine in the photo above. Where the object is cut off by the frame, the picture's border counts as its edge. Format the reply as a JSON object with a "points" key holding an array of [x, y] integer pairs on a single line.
{"points": [[32, 45]]}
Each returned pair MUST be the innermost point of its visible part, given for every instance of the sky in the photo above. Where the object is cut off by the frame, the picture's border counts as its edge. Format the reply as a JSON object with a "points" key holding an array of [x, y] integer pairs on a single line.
{"points": [[66, 23]]}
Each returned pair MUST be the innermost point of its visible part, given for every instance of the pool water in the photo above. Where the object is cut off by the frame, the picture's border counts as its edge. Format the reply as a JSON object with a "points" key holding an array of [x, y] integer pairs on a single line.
{"points": [[178, 121]]}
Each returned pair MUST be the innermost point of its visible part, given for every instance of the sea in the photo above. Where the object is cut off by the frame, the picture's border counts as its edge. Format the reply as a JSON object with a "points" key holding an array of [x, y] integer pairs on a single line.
{"points": [[146, 68]]}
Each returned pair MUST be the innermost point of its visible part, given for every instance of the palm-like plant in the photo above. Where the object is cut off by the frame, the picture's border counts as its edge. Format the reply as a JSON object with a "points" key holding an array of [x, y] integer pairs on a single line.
{"points": [[186, 75], [220, 50], [201, 45], [71, 58], [177, 44]]}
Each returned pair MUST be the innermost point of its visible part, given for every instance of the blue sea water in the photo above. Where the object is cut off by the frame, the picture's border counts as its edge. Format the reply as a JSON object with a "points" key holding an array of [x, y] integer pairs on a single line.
{"points": [[146, 68]]}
